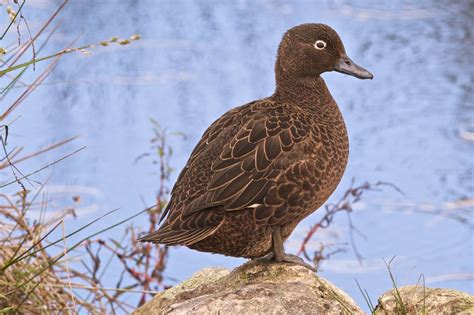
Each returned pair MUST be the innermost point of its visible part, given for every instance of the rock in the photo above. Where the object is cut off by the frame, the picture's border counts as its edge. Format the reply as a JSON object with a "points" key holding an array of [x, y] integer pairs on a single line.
{"points": [[419, 300], [257, 287]]}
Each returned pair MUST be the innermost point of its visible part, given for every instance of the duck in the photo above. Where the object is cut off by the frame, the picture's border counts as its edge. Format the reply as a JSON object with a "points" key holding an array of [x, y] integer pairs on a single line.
{"points": [[262, 167]]}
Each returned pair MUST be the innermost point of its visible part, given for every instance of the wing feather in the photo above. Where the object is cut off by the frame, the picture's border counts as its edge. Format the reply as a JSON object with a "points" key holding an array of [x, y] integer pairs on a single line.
{"points": [[234, 166]]}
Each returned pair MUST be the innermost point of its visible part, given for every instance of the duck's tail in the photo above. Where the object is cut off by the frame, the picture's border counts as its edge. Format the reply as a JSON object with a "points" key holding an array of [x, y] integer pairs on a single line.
{"points": [[169, 236]]}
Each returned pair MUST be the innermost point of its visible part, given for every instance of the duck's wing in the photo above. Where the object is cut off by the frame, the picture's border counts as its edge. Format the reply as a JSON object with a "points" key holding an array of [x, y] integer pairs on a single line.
{"points": [[232, 168], [193, 177]]}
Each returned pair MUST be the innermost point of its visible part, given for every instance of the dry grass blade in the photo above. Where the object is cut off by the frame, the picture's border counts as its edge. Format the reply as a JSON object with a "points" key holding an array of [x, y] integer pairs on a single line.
{"points": [[69, 285], [32, 251], [16, 78], [89, 288], [20, 53], [44, 167], [82, 49], [25, 208], [12, 166], [35, 84], [53, 261], [29, 300], [23, 288], [39, 152]]}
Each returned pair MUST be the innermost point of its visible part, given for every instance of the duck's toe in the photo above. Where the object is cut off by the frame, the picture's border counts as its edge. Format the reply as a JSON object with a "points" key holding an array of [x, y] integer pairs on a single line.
{"points": [[293, 259]]}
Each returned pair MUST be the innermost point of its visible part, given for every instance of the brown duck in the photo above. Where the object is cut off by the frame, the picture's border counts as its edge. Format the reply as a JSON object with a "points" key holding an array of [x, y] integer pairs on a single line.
{"points": [[263, 167]]}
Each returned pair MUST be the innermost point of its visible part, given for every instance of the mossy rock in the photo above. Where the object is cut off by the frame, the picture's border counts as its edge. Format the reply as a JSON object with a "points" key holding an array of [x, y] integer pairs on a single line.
{"points": [[420, 300], [257, 287]]}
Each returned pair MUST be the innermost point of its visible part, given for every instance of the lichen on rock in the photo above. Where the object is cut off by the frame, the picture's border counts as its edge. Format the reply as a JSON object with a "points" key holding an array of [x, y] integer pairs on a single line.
{"points": [[421, 300], [257, 287], [261, 287]]}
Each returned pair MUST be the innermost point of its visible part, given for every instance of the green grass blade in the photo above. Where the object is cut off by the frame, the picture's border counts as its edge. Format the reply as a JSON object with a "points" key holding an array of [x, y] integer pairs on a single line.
{"points": [[366, 296], [397, 295], [13, 20], [12, 82], [54, 261], [27, 252]]}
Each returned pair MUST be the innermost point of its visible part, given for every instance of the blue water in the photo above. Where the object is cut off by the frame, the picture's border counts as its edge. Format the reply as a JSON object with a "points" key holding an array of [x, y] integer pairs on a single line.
{"points": [[412, 125]]}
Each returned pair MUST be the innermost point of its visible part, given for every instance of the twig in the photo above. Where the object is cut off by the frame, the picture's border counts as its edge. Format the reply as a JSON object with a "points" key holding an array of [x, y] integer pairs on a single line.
{"points": [[12, 166], [67, 266], [46, 166], [344, 204]]}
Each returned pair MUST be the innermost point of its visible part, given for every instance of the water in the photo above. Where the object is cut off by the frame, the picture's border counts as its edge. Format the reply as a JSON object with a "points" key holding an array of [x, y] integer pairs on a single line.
{"points": [[412, 125]]}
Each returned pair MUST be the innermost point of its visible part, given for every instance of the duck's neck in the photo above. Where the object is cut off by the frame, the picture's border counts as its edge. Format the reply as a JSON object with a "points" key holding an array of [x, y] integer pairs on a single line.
{"points": [[303, 89]]}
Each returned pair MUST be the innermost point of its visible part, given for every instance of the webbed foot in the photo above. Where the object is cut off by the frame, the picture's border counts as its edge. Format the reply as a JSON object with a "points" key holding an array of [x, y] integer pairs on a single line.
{"points": [[289, 258], [278, 253]]}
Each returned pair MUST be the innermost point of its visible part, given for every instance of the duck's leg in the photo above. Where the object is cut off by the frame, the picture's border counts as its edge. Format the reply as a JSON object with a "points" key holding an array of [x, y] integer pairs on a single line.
{"points": [[279, 251]]}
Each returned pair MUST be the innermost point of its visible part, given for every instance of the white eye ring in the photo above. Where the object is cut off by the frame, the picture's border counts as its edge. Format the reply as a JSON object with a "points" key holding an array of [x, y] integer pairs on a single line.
{"points": [[320, 44]]}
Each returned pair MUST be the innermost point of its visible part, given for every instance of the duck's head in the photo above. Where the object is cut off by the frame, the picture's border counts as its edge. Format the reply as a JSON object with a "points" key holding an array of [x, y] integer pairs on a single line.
{"points": [[307, 50]]}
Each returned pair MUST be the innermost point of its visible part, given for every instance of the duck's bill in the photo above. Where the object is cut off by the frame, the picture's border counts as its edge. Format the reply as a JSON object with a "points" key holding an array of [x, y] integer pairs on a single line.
{"points": [[347, 66]]}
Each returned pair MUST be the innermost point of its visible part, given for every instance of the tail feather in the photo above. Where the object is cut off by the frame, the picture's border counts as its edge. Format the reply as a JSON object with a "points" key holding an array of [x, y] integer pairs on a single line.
{"points": [[166, 235]]}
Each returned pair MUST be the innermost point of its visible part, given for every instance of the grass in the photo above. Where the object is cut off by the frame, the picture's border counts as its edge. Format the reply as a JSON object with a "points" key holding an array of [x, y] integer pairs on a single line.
{"points": [[23, 259], [400, 305], [30, 277], [366, 297], [82, 49], [39, 270]]}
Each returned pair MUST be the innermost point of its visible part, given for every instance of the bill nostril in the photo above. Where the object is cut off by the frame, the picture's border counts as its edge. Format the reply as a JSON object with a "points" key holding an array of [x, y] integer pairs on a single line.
{"points": [[348, 62]]}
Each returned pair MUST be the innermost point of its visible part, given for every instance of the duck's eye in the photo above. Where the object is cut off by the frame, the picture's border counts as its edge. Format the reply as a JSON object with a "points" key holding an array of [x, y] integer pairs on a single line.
{"points": [[320, 44]]}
